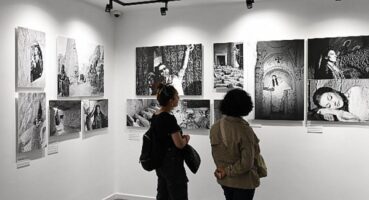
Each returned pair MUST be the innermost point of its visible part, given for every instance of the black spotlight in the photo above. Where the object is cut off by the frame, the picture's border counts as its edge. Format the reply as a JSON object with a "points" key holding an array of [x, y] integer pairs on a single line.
{"points": [[108, 7], [249, 3], [163, 11]]}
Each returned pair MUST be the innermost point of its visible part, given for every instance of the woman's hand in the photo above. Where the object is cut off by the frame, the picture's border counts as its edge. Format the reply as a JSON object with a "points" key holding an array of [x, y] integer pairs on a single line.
{"points": [[187, 137], [220, 173]]}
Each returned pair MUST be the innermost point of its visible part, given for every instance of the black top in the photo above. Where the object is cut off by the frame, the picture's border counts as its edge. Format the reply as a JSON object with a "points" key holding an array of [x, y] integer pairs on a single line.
{"points": [[164, 125]]}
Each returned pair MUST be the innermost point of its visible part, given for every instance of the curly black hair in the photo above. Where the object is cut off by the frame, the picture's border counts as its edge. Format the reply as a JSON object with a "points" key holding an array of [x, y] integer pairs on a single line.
{"points": [[236, 103]]}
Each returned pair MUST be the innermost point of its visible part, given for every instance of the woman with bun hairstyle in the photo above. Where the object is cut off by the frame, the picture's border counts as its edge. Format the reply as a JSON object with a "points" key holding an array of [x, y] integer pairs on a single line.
{"points": [[172, 178]]}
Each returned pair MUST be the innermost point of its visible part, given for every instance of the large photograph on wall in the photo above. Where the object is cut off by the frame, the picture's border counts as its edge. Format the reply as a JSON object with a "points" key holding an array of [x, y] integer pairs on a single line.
{"points": [[31, 125], [95, 114], [80, 68], [30, 58], [140, 111], [338, 58], [64, 120], [344, 100], [179, 65], [279, 80], [193, 114], [228, 66]]}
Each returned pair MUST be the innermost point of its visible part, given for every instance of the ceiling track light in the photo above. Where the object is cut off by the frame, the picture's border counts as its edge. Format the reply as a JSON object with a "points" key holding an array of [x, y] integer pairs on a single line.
{"points": [[249, 3], [163, 10]]}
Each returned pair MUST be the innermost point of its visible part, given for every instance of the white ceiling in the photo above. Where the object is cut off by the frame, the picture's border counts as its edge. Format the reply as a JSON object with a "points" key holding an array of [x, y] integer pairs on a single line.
{"points": [[180, 3]]}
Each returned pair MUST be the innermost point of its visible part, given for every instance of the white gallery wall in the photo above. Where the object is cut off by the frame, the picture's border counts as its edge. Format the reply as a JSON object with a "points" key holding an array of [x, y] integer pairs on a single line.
{"points": [[82, 168], [302, 166]]}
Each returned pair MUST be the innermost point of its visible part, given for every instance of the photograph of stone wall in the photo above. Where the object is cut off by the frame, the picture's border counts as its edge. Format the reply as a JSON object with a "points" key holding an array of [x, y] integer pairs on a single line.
{"points": [[64, 120], [80, 68], [140, 111]]}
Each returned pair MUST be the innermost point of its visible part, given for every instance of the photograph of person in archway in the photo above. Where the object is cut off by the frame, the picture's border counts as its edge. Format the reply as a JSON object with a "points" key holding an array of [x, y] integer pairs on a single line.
{"points": [[279, 80]]}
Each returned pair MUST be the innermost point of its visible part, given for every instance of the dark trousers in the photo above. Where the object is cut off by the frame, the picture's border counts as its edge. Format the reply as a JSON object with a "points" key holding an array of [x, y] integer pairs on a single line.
{"points": [[172, 178], [238, 194]]}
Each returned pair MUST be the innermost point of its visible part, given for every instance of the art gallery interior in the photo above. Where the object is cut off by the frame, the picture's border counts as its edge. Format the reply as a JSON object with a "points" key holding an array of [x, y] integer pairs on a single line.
{"points": [[330, 164]]}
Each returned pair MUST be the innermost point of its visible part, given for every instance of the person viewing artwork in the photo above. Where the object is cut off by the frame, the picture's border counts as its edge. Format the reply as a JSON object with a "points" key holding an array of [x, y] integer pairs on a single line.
{"points": [[172, 178], [235, 147], [179, 65], [350, 106]]}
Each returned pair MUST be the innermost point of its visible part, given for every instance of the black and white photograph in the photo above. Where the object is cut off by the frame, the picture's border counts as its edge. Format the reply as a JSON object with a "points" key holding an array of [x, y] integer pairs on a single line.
{"points": [[31, 125], [193, 114], [345, 100], [140, 111], [228, 66], [95, 114], [217, 113], [338, 58], [64, 120], [178, 65], [279, 80], [30, 58], [80, 68]]}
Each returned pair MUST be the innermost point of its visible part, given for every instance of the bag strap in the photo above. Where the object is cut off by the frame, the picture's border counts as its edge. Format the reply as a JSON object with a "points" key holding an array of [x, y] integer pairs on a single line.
{"points": [[222, 132]]}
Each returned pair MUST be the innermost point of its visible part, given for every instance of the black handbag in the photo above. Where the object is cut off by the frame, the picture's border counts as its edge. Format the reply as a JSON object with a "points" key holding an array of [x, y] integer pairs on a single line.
{"points": [[191, 158]]}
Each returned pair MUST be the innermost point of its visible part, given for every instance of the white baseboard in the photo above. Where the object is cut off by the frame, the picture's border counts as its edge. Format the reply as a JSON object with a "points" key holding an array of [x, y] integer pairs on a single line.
{"points": [[128, 197]]}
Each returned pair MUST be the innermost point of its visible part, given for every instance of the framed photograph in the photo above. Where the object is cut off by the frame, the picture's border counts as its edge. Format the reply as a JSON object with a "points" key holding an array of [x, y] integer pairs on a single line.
{"points": [[338, 58], [228, 66], [193, 114], [95, 114], [140, 111], [64, 120], [80, 68], [345, 100], [31, 125], [279, 80], [178, 65], [30, 58]]}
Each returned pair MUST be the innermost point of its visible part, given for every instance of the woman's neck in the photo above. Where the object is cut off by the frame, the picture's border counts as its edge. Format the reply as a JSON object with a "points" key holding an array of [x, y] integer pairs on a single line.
{"points": [[165, 109]]}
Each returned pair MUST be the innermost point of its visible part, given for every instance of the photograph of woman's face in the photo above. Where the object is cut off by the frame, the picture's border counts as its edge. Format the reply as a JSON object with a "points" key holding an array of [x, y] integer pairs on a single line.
{"points": [[332, 56], [331, 100]]}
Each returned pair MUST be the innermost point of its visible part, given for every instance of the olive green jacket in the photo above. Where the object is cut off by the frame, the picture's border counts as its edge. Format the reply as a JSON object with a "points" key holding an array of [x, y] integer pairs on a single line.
{"points": [[238, 156]]}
